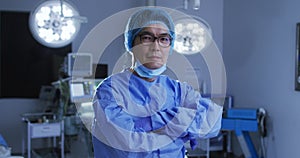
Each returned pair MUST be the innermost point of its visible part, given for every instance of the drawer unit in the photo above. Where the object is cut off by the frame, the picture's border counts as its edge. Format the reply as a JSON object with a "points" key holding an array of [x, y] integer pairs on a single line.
{"points": [[41, 130]]}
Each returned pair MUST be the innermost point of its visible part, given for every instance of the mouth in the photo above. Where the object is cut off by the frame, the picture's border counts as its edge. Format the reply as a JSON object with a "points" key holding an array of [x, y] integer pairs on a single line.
{"points": [[154, 58]]}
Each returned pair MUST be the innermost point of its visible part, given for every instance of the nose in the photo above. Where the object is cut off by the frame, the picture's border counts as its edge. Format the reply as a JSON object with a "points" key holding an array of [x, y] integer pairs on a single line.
{"points": [[155, 47], [155, 44]]}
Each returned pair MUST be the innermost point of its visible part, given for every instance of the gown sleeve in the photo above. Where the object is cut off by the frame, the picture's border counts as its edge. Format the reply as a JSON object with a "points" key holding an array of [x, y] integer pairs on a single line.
{"points": [[207, 121]]}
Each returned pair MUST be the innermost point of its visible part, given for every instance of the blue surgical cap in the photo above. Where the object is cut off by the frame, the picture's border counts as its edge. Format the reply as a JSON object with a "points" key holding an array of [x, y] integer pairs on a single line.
{"points": [[143, 18]]}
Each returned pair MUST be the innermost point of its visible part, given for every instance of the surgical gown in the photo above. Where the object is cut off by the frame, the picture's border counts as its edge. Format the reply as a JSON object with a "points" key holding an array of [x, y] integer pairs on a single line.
{"points": [[137, 118]]}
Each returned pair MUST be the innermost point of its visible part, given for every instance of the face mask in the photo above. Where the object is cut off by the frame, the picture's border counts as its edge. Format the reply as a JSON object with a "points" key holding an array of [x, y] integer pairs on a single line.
{"points": [[146, 72]]}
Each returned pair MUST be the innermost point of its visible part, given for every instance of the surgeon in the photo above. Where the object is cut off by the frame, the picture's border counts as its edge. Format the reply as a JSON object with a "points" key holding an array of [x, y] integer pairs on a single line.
{"points": [[139, 112]]}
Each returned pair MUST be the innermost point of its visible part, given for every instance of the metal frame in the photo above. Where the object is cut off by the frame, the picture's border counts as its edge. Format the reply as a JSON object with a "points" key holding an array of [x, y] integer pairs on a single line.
{"points": [[45, 130]]}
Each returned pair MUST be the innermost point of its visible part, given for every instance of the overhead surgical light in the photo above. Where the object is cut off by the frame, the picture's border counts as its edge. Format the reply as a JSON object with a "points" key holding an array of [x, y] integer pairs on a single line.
{"points": [[193, 35], [55, 23]]}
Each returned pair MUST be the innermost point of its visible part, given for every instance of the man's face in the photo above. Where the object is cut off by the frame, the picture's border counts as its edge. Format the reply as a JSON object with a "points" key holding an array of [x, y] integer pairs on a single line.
{"points": [[151, 54]]}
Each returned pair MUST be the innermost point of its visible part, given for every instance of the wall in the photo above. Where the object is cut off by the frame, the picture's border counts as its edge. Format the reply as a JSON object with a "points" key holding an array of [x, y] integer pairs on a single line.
{"points": [[212, 12], [11, 127], [259, 53]]}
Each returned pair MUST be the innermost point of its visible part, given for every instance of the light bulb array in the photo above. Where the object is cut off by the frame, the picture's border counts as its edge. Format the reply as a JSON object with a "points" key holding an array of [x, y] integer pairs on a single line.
{"points": [[52, 24]]}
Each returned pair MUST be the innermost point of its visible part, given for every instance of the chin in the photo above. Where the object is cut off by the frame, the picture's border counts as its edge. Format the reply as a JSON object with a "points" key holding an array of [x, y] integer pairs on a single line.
{"points": [[153, 65]]}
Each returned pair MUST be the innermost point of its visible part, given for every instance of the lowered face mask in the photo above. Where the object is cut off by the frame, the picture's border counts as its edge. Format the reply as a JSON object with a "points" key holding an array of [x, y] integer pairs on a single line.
{"points": [[146, 72]]}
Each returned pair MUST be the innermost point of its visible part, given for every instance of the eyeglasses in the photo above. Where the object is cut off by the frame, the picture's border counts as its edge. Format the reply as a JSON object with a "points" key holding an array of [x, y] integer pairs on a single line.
{"points": [[164, 40]]}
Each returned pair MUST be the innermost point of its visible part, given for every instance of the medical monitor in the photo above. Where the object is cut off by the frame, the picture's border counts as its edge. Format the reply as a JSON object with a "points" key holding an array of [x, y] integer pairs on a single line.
{"points": [[80, 64], [77, 89], [100, 71], [81, 91]]}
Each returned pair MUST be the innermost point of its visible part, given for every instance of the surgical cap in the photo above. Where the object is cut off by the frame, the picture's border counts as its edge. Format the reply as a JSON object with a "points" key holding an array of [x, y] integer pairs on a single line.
{"points": [[144, 17]]}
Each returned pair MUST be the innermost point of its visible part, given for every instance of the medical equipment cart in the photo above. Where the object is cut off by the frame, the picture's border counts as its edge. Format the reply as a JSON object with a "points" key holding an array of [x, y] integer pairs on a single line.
{"points": [[46, 129]]}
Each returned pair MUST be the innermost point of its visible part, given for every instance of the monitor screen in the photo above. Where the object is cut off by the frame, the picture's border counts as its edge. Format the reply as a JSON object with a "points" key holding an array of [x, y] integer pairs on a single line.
{"points": [[80, 64], [100, 71], [81, 90], [77, 89]]}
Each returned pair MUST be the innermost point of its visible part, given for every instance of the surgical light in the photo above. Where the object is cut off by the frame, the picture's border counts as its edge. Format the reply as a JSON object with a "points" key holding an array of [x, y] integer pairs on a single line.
{"points": [[55, 23], [192, 35]]}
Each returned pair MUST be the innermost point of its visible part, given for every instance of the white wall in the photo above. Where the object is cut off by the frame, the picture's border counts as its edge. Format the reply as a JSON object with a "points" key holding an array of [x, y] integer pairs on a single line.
{"points": [[259, 53]]}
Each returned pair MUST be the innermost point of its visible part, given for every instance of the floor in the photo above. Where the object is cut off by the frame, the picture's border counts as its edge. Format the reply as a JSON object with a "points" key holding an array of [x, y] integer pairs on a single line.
{"points": [[80, 154], [79, 146], [76, 146], [220, 155]]}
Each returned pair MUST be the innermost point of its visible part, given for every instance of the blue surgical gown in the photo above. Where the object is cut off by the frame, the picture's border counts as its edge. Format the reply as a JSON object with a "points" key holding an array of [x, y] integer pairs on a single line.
{"points": [[137, 118]]}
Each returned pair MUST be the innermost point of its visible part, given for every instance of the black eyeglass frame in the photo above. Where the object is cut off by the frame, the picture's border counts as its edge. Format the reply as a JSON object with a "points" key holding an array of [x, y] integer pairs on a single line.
{"points": [[165, 35]]}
